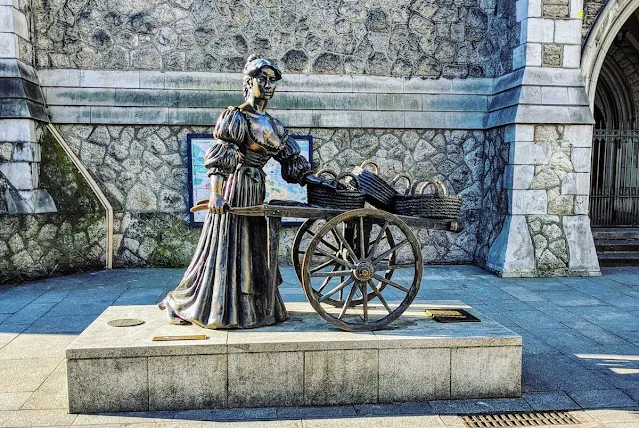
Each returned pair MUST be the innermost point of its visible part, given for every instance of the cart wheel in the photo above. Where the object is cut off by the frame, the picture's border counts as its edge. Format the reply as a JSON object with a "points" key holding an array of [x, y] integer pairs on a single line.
{"points": [[308, 230], [362, 269]]}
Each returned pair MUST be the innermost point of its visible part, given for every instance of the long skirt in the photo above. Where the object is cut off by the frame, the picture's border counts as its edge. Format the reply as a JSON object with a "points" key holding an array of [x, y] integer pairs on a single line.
{"points": [[227, 283]]}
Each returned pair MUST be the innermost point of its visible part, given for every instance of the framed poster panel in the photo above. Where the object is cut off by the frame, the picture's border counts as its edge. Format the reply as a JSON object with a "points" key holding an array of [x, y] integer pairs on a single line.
{"points": [[276, 187]]}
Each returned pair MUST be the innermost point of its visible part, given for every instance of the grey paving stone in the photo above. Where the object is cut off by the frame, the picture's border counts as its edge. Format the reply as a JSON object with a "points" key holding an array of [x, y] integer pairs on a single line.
{"points": [[555, 312], [568, 341], [25, 375], [70, 324], [491, 313], [543, 374], [533, 319], [377, 422], [532, 344], [13, 400], [508, 306], [608, 317], [522, 294], [622, 378], [595, 333], [460, 407], [593, 399], [546, 401], [394, 409], [570, 298], [315, 412], [27, 346], [29, 314], [32, 418]]}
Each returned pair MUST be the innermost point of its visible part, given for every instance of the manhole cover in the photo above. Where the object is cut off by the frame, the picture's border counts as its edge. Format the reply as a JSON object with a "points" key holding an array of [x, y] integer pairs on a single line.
{"points": [[519, 419], [125, 322]]}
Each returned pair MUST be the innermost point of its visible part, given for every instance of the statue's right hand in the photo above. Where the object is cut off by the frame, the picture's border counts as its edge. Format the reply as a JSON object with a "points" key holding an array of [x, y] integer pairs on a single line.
{"points": [[217, 204]]}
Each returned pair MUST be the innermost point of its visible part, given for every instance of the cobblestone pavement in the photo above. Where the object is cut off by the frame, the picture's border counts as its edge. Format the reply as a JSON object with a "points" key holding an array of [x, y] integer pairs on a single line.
{"points": [[581, 350]]}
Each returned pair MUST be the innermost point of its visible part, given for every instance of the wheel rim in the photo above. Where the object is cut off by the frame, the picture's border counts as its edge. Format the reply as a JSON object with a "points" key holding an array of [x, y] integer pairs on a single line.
{"points": [[362, 270], [304, 235]]}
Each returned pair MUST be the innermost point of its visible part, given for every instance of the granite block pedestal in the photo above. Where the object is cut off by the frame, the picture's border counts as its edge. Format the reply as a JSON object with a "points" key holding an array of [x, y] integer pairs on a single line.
{"points": [[303, 361]]}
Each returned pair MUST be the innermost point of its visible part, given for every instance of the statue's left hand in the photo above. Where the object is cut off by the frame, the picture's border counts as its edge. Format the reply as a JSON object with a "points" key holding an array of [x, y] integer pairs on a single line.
{"points": [[315, 181]]}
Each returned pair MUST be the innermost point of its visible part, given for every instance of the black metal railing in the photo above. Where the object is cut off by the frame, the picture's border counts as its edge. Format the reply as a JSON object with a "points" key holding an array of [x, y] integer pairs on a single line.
{"points": [[614, 195]]}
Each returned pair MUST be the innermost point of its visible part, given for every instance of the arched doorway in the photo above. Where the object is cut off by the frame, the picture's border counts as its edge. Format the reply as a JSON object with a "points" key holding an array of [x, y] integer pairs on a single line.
{"points": [[614, 98]]}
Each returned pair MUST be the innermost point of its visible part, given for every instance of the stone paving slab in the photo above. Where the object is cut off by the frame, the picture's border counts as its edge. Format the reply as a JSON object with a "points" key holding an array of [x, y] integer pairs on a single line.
{"points": [[555, 368]]}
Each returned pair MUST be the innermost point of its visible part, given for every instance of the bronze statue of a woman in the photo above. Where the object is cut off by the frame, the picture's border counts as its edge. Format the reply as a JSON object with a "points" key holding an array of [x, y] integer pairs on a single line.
{"points": [[226, 284]]}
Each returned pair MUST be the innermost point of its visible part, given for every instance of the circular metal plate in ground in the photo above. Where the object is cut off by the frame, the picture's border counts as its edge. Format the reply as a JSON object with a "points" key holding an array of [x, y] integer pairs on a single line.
{"points": [[125, 322]]}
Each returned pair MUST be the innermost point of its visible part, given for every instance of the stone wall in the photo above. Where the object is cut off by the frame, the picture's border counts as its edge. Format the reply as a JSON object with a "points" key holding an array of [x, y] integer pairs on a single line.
{"points": [[429, 38], [494, 203], [143, 172], [71, 240], [591, 9]]}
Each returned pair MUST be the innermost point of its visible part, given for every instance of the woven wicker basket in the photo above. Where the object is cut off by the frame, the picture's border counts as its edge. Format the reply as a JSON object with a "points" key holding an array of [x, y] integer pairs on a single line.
{"points": [[341, 198], [435, 205], [378, 192]]}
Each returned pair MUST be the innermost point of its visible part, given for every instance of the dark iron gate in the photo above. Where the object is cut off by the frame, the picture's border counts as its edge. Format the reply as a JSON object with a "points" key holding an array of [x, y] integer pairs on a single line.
{"points": [[614, 194]]}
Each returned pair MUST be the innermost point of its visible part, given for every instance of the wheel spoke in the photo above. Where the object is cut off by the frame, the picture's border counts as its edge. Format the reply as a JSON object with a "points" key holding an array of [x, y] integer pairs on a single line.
{"points": [[345, 243], [379, 296], [336, 289], [330, 246], [390, 250], [391, 283], [379, 238], [331, 274], [364, 300], [336, 259], [349, 299], [322, 266], [325, 282], [362, 249], [382, 266]]}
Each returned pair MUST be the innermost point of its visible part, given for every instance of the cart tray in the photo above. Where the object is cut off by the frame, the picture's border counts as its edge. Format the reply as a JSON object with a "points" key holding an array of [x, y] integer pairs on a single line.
{"points": [[298, 209]]}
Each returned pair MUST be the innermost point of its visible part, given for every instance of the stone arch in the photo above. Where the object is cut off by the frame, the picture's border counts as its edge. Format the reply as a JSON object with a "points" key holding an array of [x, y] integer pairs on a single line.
{"points": [[599, 39], [614, 96]]}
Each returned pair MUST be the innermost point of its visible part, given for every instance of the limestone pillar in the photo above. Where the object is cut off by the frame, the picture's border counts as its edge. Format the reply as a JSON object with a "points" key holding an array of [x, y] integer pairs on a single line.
{"points": [[22, 114], [546, 231]]}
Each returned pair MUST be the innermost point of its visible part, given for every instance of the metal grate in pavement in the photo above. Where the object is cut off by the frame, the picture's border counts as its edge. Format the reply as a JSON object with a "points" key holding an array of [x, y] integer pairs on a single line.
{"points": [[535, 419]]}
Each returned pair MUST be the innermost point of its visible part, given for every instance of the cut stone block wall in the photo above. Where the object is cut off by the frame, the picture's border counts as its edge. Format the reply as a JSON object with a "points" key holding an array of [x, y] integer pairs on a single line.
{"points": [[71, 240], [430, 38], [547, 229], [142, 170]]}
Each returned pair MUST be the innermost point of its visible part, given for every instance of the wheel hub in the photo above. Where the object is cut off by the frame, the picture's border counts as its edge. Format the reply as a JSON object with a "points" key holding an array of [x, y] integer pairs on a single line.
{"points": [[364, 271]]}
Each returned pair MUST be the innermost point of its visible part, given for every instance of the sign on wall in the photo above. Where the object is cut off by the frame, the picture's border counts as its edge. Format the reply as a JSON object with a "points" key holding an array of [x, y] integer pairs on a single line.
{"points": [[276, 187]]}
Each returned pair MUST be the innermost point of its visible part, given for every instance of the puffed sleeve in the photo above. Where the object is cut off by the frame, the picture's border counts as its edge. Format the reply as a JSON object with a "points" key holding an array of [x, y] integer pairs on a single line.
{"points": [[224, 154], [294, 166]]}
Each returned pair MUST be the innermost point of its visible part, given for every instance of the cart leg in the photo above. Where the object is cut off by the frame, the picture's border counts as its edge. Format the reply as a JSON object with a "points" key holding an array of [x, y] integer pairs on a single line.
{"points": [[274, 225]]}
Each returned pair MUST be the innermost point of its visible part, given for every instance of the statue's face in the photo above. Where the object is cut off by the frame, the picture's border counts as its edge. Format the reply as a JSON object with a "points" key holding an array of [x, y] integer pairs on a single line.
{"points": [[264, 84]]}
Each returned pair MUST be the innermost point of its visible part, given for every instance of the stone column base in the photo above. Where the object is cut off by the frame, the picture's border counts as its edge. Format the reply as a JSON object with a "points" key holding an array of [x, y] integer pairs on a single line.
{"points": [[544, 245]]}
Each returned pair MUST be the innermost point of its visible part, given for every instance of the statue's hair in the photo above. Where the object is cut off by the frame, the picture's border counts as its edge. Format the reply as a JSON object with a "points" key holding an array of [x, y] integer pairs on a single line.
{"points": [[254, 64]]}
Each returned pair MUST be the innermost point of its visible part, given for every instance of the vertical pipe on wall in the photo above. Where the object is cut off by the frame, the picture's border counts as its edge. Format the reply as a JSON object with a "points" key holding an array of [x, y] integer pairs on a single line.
{"points": [[96, 190]]}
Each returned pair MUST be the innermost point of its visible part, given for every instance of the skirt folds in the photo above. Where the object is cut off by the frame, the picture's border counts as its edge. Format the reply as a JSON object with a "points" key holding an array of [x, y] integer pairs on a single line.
{"points": [[227, 283]]}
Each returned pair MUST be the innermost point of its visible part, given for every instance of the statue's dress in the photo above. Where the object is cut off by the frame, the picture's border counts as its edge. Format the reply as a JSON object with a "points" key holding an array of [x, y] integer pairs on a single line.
{"points": [[226, 284]]}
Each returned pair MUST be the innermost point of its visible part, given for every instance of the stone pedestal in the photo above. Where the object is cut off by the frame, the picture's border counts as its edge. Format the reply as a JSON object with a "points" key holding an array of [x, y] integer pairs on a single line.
{"points": [[303, 361]]}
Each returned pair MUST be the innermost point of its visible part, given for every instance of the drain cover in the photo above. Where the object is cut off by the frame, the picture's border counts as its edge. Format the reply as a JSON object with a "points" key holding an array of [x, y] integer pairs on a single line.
{"points": [[125, 322], [519, 419]]}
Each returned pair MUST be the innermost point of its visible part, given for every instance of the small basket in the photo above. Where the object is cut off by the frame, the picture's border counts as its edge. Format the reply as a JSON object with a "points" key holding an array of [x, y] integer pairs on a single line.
{"points": [[340, 198], [378, 192], [435, 205]]}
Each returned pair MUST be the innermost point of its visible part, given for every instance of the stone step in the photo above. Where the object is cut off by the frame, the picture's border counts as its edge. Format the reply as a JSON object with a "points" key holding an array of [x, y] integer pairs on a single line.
{"points": [[618, 258], [612, 245], [605, 233]]}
